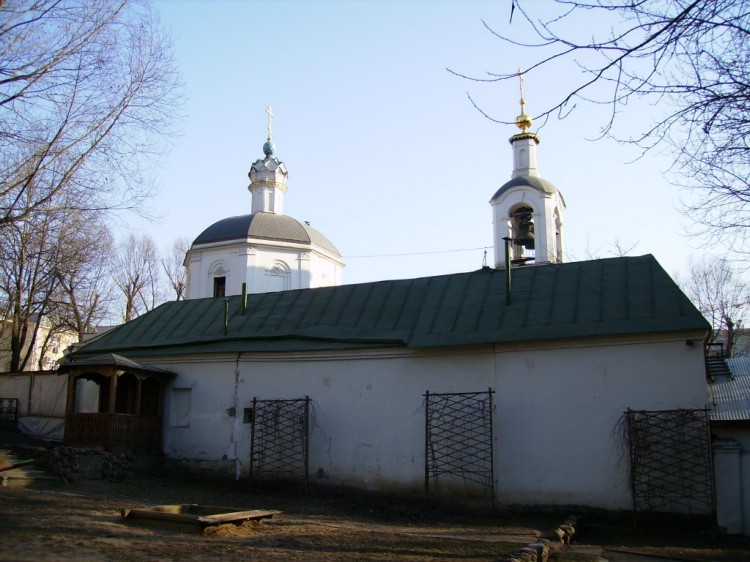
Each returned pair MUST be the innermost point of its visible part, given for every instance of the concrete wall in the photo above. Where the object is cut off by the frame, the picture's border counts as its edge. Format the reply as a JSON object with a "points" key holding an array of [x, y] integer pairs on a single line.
{"points": [[556, 415], [41, 401], [732, 472], [47, 396]]}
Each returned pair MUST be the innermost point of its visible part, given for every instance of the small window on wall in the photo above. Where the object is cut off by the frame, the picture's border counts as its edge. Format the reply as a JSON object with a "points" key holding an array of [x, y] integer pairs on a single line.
{"points": [[180, 411], [220, 286]]}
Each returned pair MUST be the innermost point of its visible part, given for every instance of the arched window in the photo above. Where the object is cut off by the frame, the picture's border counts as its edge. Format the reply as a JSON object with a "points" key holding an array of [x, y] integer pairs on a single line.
{"points": [[219, 272], [278, 277]]}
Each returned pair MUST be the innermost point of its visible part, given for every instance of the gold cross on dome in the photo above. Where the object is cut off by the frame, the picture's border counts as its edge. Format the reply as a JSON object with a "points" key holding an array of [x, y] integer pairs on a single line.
{"points": [[270, 120], [523, 101], [523, 121]]}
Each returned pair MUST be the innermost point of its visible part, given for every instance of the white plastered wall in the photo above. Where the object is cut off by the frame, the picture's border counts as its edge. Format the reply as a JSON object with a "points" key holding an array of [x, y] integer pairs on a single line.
{"points": [[324, 272], [555, 420], [559, 409], [259, 266]]}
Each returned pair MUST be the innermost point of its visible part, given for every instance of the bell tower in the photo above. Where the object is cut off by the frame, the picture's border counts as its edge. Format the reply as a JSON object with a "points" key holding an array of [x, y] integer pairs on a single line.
{"points": [[527, 211]]}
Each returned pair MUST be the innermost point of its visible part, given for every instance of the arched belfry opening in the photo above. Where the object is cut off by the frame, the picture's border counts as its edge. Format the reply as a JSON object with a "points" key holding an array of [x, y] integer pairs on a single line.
{"points": [[522, 234], [114, 402]]}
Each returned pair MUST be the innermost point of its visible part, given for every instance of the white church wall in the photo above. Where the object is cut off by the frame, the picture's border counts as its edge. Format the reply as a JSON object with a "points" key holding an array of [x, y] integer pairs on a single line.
{"points": [[197, 427], [266, 269], [556, 413], [362, 432], [324, 272], [276, 270]]}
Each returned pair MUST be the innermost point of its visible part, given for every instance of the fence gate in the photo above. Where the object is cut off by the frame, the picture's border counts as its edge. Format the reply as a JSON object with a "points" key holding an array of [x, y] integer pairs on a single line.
{"points": [[279, 439], [670, 461], [458, 442], [9, 409]]}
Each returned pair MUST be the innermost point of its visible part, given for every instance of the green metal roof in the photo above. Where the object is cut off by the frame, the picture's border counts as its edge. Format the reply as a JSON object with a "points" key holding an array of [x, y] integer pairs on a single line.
{"points": [[618, 296]]}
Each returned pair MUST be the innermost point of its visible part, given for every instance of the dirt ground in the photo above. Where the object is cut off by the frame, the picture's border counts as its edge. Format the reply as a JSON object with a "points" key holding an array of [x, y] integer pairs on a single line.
{"points": [[81, 521]]}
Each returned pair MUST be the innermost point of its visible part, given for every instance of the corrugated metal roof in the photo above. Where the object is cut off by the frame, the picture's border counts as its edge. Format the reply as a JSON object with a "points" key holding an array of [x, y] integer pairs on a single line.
{"points": [[731, 395], [583, 299]]}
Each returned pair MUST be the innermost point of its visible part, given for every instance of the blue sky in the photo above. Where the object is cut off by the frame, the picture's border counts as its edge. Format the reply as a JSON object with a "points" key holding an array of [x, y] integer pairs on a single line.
{"points": [[386, 155]]}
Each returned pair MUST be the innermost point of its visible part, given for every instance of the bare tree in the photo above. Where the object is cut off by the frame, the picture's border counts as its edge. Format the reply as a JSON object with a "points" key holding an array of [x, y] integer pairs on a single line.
{"points": [[174, 267], [617, 248], [691, 57], [27, 253], [721, 296], [135, 272], [88, 89], [53, 267], [84, 292]]}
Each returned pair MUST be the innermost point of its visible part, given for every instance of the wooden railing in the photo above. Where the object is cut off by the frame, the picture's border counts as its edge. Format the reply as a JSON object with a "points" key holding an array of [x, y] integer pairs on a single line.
{"points": [[116, 431]]}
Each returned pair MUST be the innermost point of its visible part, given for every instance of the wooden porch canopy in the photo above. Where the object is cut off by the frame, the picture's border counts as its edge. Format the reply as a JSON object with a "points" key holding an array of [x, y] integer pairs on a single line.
{"points": [[128, 403]]}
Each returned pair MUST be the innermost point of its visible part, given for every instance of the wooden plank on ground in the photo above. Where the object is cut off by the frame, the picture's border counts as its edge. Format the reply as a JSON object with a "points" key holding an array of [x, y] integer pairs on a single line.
{"points": [[253, 514], [196, 514]]}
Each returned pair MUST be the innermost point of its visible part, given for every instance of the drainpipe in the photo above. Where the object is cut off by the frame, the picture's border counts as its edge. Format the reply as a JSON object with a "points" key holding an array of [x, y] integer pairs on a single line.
{"points": [[507, 271], [237, 422]]}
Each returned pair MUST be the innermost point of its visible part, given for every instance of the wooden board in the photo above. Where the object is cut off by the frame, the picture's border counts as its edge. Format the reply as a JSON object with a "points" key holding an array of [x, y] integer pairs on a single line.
{"points": [[195, 514]]}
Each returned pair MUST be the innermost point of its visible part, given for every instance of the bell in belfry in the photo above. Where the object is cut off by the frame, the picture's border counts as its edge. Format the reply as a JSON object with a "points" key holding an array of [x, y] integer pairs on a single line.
{"points": [[525, 235]]}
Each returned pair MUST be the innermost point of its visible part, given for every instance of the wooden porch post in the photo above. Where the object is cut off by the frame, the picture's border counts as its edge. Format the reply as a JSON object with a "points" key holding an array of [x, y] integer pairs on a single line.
{"points": [[70, 403], [138, 394], [112, 392]]}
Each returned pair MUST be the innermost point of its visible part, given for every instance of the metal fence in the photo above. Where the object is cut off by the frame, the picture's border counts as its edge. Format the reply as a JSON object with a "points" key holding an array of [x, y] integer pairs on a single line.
{"points": [[459, 441], [671, 466], [279, 440]]}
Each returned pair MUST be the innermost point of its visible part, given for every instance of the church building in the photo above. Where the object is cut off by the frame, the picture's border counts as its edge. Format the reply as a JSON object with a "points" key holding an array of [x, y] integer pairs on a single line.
{"points": [[265, 250], [522, 384]]}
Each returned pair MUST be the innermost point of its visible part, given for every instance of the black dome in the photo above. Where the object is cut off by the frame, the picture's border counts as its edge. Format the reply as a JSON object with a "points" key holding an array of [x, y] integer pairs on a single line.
{"points": [[264, 226], [530, 181]]}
